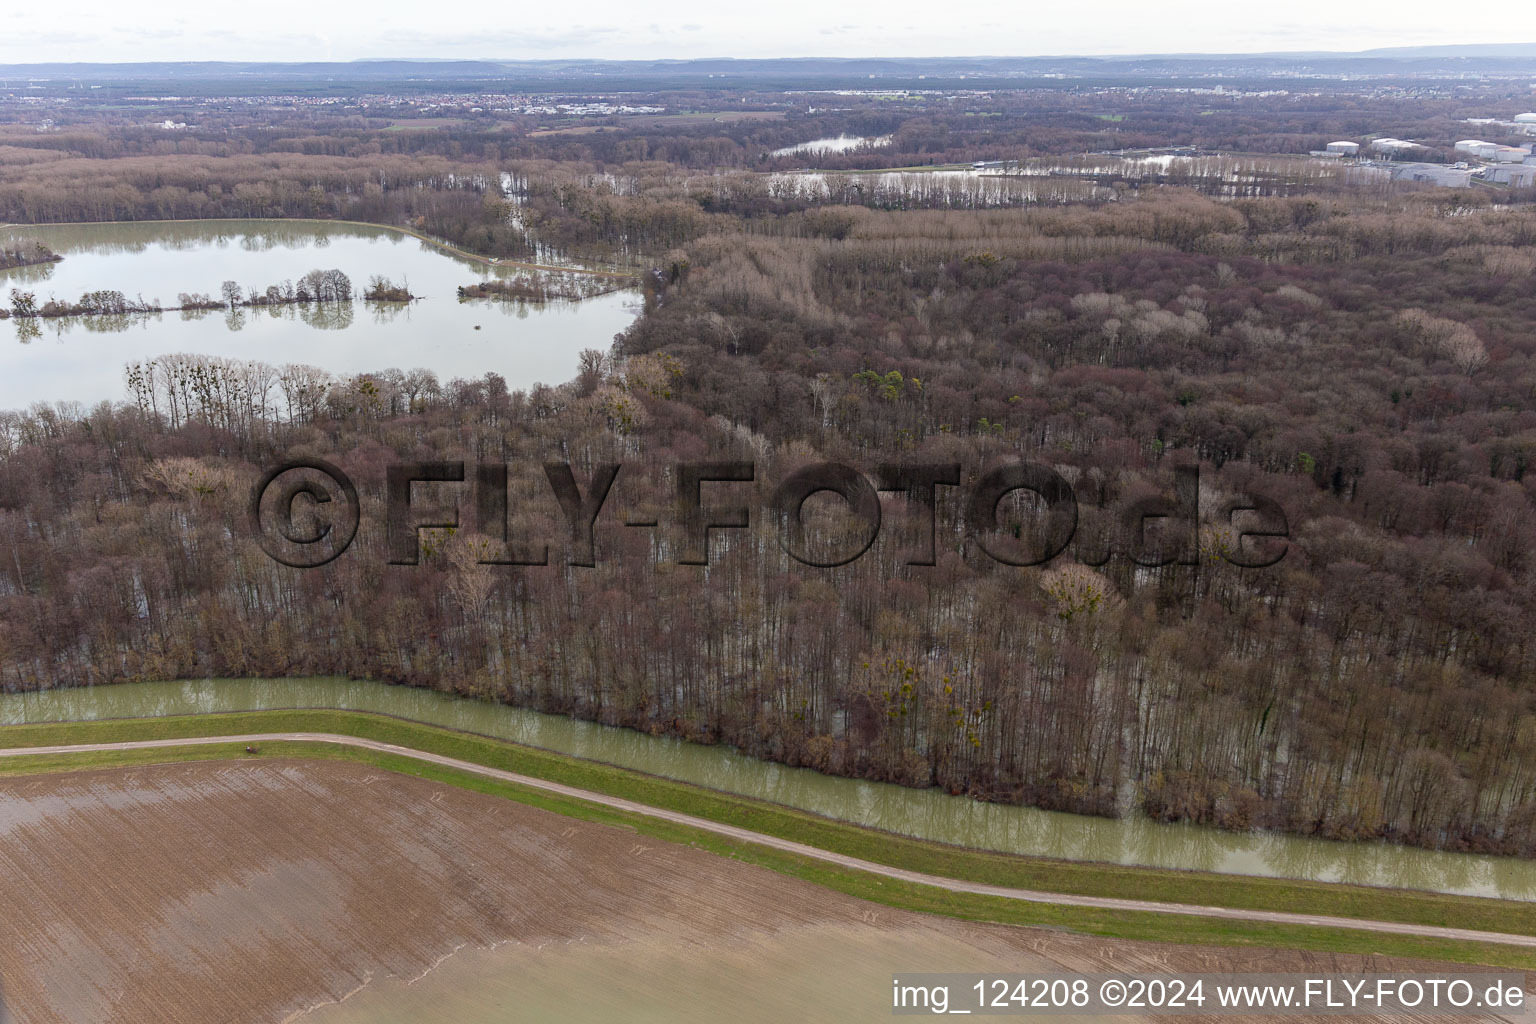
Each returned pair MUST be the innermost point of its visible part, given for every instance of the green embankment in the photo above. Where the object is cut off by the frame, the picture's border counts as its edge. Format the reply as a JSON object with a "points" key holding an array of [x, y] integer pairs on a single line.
{"points": [[868, 844]]}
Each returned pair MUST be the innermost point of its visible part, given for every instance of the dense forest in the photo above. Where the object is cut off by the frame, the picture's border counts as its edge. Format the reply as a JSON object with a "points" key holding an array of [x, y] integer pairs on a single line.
{"points": [[1360, 355]]}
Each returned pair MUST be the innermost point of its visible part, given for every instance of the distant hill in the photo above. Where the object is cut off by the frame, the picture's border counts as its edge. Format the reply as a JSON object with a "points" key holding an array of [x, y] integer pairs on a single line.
{"points": [[1527, 50], [1515, 59]]}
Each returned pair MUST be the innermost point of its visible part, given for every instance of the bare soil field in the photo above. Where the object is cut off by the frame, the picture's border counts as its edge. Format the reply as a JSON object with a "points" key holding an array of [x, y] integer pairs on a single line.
{"points": [[328, 892]]}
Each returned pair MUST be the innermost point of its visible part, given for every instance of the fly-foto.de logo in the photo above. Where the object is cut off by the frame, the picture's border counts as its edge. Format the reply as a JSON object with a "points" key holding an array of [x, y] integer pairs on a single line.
{"points": [[305, 513]]}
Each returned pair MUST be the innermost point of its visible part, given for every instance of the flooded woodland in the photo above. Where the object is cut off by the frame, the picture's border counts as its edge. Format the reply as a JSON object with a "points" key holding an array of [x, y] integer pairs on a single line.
{"points": [[1206, 293]]}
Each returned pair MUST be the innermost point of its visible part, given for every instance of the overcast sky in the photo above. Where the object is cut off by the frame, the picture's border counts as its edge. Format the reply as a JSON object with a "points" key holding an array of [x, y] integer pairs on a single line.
{"points": [[113, 30]]}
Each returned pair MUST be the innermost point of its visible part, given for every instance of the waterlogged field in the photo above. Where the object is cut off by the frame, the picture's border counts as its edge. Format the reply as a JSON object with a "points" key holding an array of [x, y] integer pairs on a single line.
{"points": [[304, 891], [337, 893], [81, 358], [923, 813]]}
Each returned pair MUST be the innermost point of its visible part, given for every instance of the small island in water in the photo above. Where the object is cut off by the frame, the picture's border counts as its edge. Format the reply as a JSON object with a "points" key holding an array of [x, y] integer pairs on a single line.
{"points": [[544, 287], [315, 286], [25, 253]]}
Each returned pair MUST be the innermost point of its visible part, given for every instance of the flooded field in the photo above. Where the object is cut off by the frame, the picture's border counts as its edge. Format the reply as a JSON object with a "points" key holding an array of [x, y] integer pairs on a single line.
{"points": [[81, 358], [1057, 180], [1230, 176], [949, 189], [834, 144], [924, 813], [333, 893]]}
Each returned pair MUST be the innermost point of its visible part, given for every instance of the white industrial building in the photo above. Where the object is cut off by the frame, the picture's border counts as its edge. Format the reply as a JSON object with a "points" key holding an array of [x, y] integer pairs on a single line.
{"points": [[1343, 148], [1523, 176], [1525, 118], [1492, 151], [1433, 174]]}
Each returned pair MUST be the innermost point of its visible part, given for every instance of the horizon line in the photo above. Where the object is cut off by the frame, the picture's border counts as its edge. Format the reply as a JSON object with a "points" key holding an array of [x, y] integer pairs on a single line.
{"points": [[1492, 50]]}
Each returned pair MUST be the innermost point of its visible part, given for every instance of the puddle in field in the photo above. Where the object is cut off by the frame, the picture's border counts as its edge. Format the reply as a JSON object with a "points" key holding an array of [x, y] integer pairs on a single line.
{"points": [[840, 973]]}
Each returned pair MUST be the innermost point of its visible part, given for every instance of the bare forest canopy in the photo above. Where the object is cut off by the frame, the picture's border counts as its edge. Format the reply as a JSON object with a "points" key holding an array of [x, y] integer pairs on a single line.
{"points": [[1366, 362], [1358, 350]]}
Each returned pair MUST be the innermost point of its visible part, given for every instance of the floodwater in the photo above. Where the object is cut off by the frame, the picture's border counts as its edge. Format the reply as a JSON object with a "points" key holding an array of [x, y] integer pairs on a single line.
{"points": [[81, 359], [952, 188], [924, 813], [1086, 178], [834, 144]]}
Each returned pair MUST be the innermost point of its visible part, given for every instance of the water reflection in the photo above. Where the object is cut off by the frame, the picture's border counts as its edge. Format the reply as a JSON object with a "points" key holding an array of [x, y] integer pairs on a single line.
{"points": [[388, 312], [327, 316], [30, 274], [524, 343], [927, 814], [834, 144], [1188, 846], [108, 323], [193, 235]]}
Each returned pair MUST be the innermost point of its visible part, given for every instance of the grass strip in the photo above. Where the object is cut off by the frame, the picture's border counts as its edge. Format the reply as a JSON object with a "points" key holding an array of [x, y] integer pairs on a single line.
{"points": [[1045, 874]]}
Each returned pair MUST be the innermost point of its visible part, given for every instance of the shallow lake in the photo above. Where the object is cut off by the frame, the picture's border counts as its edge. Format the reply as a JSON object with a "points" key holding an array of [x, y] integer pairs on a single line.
{"points": [[925, 813], [81, 358]]}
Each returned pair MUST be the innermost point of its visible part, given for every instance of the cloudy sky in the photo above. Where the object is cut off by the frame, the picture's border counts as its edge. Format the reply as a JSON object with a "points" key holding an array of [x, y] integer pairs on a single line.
{"points": [[111, 30]]}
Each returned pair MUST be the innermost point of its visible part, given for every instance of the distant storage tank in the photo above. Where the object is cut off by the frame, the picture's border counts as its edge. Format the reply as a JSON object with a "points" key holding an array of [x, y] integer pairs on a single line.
{"points": [[1525, 118], [1343, 148]]}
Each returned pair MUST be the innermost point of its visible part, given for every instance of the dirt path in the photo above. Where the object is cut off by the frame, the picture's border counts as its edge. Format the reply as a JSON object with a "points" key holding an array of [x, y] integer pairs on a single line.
{"points": [[731, 831]]}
